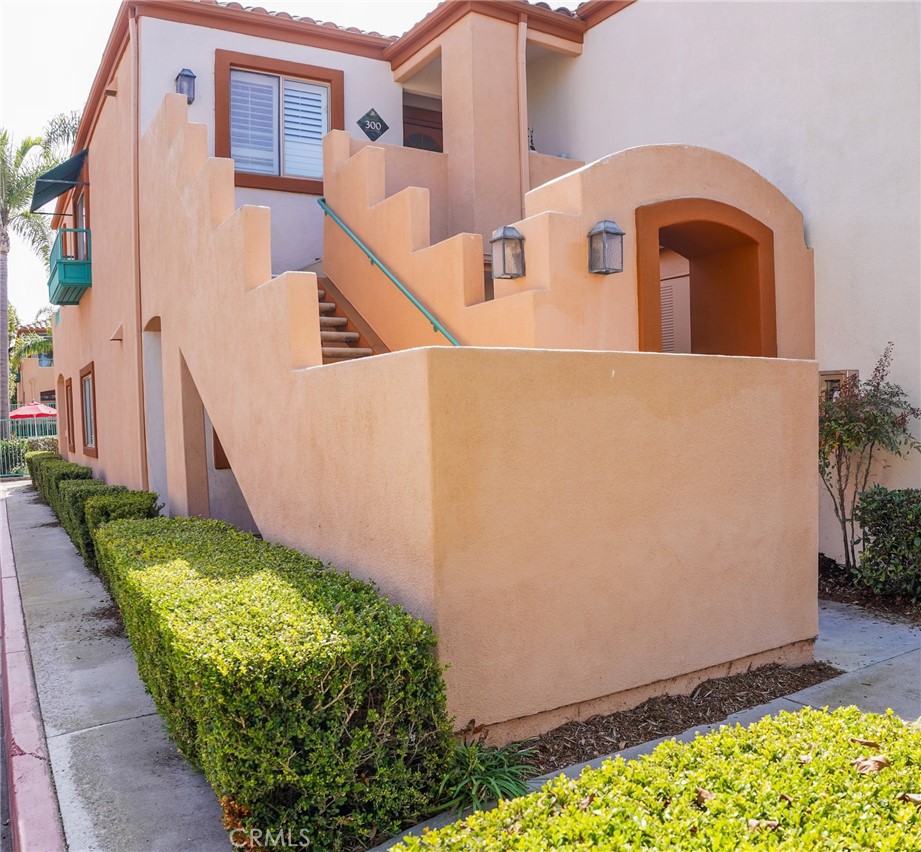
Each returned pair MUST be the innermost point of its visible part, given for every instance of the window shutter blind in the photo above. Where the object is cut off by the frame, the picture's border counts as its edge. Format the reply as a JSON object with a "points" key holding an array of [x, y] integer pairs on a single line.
{"points": [[306, 120], [668, 317], [254, 122]]}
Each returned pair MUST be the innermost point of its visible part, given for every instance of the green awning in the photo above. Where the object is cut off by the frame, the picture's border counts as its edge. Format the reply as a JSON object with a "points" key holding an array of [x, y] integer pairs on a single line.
{"points": [[58, 180]]}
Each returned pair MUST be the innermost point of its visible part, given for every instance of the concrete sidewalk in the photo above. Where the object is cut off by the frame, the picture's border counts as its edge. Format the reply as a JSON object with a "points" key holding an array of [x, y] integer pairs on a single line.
{"points": [[121, 784]]}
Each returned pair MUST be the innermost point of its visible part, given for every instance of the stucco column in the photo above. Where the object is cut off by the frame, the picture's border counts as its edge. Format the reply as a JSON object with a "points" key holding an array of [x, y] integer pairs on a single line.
{"points": [[480, 112]]}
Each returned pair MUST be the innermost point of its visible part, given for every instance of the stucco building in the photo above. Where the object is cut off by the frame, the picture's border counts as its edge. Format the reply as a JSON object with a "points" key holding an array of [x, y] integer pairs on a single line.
{"points": [[587, 459]]}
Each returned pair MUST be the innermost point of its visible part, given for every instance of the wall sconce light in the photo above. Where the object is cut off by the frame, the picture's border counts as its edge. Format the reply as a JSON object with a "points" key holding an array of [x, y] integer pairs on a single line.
{"points": [[606, 248], [185, 84], [507, 252]]}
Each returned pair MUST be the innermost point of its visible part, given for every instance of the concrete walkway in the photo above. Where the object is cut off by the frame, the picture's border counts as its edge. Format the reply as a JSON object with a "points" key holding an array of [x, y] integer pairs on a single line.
{"points": [[121, 784]]}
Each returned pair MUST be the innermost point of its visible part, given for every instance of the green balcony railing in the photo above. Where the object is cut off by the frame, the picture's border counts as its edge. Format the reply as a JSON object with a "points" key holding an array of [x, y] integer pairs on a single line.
{"points": [[375, 261], [71, 266]]}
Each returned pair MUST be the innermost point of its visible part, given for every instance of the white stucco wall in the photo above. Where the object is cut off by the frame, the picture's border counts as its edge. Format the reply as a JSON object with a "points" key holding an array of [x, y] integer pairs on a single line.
{"points": [[823, 99], [297, 222]]}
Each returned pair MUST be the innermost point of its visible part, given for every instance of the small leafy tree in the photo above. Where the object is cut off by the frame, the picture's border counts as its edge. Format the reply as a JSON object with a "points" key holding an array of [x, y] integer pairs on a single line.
{"points": [[859, 423]]}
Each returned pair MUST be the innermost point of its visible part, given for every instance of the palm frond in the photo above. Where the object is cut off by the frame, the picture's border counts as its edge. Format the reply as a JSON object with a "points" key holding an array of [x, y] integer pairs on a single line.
{"points": [[35, 231], [28, 346], [61, 132]]}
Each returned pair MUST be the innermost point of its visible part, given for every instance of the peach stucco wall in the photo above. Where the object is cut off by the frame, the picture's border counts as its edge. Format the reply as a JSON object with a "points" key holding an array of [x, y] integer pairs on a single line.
{"points": [[573, 524], [33, 379], [109, 308], [824, 100], [558, 303]]}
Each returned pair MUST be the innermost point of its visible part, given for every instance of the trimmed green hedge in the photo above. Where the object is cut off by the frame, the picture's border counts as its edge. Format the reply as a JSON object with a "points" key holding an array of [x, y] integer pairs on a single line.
{"points": [[51, 473], [34, 459], [890, 563], [99, 509], [788, 782], [73, 497], [308, 699]]}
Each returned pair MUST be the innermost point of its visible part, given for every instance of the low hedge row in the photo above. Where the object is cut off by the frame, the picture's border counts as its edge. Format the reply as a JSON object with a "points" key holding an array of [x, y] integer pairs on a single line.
{"points": [[82, 503], [34, 458], [51, 473], [120, 506], [74, 495], [309, 701], [890, 563], [792, 781]]}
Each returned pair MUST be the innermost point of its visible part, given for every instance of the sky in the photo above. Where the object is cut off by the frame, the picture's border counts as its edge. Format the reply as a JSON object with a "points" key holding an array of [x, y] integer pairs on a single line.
{"points": [[49, 53]]}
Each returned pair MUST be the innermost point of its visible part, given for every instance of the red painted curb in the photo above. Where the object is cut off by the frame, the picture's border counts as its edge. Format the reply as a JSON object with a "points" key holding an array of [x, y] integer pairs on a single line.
{"points": [[34, 816]]}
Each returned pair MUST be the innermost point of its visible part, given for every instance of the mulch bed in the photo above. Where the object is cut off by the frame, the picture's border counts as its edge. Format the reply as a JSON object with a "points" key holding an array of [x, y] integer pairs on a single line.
{"points": [[834, 585], [668, 715]]}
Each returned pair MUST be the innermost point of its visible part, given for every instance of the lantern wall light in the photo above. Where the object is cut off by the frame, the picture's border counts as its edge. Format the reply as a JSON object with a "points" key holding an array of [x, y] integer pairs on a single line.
{"points": [[185, 84], [606, 248], [507, 252]]}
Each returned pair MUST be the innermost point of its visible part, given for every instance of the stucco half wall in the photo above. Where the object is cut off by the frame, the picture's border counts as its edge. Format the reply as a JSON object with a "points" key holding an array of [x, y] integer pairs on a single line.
{"points": [[575, 525]]}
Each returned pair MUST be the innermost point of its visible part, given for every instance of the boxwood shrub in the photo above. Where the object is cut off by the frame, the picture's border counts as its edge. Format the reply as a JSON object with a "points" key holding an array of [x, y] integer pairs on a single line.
{"points": [[73, 497], [890, 563], [34, 458], [119, 505], [788, 782], [51, 473], [308, 699]]}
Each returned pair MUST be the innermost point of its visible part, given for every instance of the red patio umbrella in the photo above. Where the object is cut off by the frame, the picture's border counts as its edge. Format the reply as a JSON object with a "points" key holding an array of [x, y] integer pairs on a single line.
{"points": [[33, 409]]}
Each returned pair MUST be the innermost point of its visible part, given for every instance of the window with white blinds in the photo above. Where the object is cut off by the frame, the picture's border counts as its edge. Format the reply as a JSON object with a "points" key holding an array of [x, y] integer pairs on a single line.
{"points": [[277, 124], [306, 117]]}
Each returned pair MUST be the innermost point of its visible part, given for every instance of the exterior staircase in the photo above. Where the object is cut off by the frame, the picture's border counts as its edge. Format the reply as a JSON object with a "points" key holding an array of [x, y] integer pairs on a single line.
{"points": [[343, 337]]}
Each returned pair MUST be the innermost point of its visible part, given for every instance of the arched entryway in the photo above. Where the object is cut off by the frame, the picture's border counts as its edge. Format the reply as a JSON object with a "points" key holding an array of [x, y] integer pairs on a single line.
{"points": [[728, 291]]}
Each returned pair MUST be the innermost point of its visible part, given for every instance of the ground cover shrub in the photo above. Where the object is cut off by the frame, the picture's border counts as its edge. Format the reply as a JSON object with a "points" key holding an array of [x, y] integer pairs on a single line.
{"points": [[34, 459], [51, 473], [479, 773], [890, 563], [808, 780], [73, 497], [118, 505], [43, 443], [309, 701]]}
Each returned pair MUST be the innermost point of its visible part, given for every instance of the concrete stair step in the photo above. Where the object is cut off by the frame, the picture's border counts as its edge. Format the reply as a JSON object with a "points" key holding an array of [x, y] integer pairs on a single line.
{"points": [[346, 352], [327, 307], [344, 336], [321, 293], [332, 322]]}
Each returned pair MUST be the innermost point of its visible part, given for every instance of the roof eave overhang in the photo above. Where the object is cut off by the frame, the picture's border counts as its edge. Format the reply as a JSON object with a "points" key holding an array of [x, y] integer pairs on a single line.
{"points": [[448, 13]]}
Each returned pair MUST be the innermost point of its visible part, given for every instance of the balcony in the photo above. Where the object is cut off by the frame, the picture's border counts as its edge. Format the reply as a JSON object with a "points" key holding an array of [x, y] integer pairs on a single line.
{"points": [[70, 263]]}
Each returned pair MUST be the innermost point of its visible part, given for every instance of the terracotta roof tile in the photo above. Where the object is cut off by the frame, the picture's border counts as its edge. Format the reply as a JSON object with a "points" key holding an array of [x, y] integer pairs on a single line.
{"points": [[259, 10]]}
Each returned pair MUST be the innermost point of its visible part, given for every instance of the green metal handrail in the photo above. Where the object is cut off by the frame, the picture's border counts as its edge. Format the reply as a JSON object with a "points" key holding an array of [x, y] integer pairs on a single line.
{"points": [[436, 325]]}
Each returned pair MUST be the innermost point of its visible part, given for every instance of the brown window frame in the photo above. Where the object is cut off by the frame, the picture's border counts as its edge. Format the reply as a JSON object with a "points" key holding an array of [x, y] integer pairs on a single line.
{"points": [[224, 60], [830, 381], [91, 451], [69, 414]]}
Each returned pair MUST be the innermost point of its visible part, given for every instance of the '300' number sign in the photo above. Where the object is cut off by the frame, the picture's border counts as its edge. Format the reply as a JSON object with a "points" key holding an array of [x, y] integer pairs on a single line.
{"points": [[373, 125]]}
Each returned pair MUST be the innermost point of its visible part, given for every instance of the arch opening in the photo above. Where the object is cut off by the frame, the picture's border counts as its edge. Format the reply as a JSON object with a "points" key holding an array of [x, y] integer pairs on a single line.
{"points": [[706, 280]]}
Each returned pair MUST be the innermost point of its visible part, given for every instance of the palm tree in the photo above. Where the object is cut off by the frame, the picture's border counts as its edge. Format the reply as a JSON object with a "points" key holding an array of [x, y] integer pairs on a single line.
{"points": [[20, 165], [28, 346]]}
